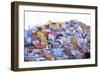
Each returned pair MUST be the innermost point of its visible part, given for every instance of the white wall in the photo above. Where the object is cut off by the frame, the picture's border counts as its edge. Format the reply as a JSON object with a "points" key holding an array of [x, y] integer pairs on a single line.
{"points": [[5, 28]]}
